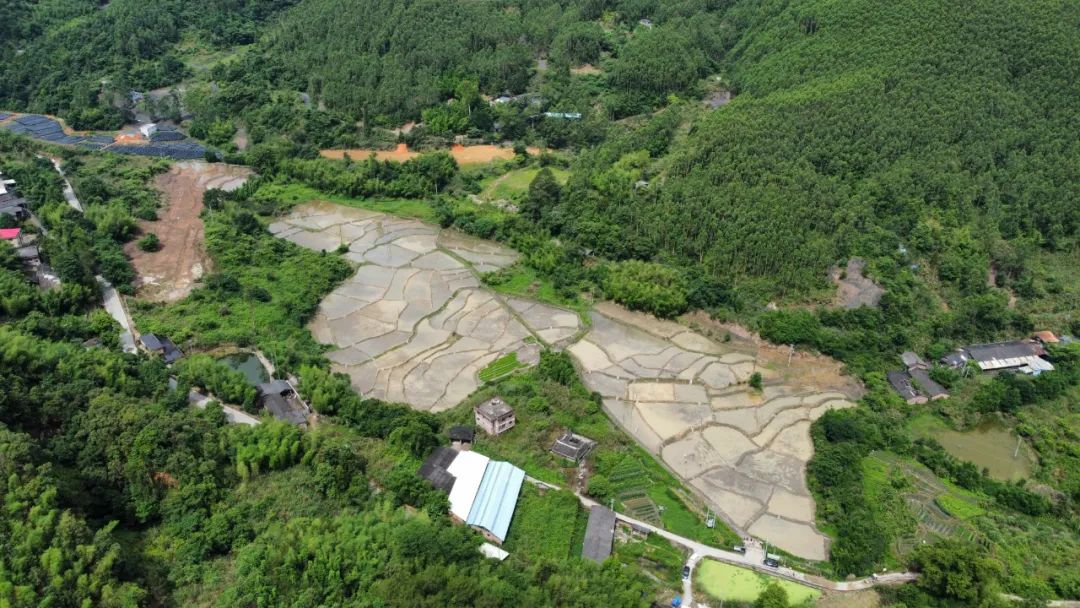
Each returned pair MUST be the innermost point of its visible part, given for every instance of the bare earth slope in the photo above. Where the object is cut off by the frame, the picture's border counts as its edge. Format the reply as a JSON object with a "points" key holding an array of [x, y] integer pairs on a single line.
{"points": [[168, 275]]}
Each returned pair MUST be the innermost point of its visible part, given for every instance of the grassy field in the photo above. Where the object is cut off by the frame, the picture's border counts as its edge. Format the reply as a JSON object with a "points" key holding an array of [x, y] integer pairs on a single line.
{"points": [[958, 507], [500, 367], [549, 525], [514, 183], [726, 582], [298, 194]]}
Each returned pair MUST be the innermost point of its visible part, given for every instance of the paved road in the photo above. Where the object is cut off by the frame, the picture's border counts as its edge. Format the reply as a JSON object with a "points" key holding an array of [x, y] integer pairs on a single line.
{"points": [[753, 558], [69, 192], [115, 307]]}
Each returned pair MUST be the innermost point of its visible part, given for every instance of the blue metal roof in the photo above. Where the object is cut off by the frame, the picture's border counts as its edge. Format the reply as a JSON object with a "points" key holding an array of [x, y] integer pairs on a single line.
{"points": [[496, 498]]}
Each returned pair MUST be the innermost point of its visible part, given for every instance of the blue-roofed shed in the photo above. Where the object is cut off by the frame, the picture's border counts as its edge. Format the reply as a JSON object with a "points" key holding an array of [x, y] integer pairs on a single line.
{"points": [[496, 498]]}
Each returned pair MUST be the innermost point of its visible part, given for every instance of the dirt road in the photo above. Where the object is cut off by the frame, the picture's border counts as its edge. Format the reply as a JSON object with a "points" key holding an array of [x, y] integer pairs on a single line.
{"points": [[170, 273]]}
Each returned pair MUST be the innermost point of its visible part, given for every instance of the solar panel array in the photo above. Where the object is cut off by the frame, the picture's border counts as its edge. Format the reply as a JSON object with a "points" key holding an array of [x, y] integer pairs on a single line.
{"points": [[166, 143]]}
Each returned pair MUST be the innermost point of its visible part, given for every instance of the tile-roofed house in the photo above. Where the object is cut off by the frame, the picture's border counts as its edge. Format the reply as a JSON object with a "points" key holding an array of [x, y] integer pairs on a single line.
{"points": [[462, 434], [435, 468], [280, 408], [912, 360], [279, 398], [927, 385], [495, 416], [495, 500], [1004, 355], [572, 446], [151, 342], [901, 383], [599, 534]]}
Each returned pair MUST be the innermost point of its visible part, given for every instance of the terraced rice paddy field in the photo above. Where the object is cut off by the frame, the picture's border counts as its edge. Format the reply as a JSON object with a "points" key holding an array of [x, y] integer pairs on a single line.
{"points": [[415, 325]]}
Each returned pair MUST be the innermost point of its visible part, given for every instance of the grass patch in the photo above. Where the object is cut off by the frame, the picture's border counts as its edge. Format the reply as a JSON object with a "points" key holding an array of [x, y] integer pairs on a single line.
{"points": [[656, 555], [500, 367], [729, 583], [958, 507], [298, 194], [521, 280], [548, 525], [515, 183]]}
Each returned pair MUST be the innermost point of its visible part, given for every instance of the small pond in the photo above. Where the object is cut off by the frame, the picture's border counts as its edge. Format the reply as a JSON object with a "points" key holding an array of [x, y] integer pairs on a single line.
{"points": [[990, 445], [249, 365]]}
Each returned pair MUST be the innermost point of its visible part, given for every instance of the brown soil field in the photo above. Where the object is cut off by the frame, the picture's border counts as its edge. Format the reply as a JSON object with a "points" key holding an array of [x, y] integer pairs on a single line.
{"points": [[169, 274], [464, 155]]}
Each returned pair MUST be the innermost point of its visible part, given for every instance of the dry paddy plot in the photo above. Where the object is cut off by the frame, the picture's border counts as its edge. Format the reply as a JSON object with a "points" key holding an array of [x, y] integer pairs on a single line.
{"points": [[685, 398], [414, 324]]}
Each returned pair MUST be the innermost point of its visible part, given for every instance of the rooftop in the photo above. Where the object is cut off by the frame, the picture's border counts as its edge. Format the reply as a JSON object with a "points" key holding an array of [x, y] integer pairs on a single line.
{"points": [[274, 387], [462, 433], [281, 409], [8, 234], [599, 534], [434, 468], [927, 384], [901, 383], [468, 469], [572, 446], [496, 497], [493, 409]]}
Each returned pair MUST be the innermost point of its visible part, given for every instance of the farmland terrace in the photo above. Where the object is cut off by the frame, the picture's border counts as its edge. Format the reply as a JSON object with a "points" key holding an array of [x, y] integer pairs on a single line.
{"points": [[415, 325]]}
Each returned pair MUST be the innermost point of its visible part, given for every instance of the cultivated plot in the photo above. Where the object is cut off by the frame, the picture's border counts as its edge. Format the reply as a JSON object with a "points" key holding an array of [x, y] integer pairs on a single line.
{"points": [[685, 398], [414, 324]]}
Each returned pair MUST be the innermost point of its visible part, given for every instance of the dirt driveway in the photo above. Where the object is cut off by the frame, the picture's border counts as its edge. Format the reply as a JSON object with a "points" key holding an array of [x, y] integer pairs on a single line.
{"points": [[168, 275]]}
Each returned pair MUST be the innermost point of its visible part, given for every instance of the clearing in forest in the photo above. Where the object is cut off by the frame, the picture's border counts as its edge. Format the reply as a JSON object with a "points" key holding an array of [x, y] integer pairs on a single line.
{"points": [[169, 274]]}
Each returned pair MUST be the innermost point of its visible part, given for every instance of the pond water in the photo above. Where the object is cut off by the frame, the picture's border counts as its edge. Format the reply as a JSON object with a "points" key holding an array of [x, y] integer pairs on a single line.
{"points": [[249, 365], [989, 445]]}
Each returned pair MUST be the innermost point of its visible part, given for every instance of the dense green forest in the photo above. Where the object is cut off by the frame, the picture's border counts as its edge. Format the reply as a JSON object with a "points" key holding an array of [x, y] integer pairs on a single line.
{"points": [[934, 142]]}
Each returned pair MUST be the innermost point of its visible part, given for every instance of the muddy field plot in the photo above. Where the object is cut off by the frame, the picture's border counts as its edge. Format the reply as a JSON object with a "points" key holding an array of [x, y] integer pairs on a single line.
{"points": [[169, 274], [414, 324], [685, 398]]}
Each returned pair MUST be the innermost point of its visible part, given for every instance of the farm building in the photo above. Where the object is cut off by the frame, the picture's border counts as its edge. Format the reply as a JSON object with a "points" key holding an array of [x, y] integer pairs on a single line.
{"points": [[10, 201], [926, 384], [912, 360], [278, 397], [599, 534], [572, 446], [483, 493], [1023, 356], [434, 468], [461, 435], [902, 384], [495, 416], [161, 346]]}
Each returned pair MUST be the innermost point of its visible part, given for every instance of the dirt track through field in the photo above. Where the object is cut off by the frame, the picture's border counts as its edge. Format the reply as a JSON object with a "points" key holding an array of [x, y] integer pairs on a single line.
{"points": [[169, 274]]}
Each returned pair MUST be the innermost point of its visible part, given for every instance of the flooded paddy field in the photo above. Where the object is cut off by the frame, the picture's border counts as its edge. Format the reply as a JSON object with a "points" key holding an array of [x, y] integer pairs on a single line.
{"points": [[685, 398], [414, 324]]}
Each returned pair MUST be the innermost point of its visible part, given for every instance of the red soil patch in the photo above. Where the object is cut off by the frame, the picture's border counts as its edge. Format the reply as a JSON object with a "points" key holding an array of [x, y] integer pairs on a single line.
{"points": [[464, 155], [169, 274]]}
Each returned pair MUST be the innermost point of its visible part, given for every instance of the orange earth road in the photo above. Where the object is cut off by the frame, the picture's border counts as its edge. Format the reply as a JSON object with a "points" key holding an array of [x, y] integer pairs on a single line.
{"points": [[464, 155], [169, 274]]}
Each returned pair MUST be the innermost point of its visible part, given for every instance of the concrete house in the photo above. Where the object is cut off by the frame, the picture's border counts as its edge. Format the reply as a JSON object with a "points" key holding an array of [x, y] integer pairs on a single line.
{"points": [[495, 416]]}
